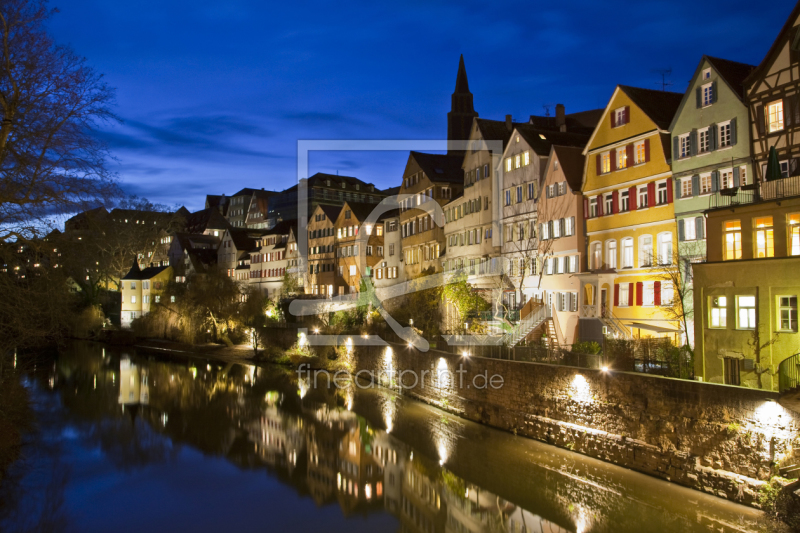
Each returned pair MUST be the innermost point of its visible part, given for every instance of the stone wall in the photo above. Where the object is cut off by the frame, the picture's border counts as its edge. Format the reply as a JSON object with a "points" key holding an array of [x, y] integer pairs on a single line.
{"points": [[719, 439]]}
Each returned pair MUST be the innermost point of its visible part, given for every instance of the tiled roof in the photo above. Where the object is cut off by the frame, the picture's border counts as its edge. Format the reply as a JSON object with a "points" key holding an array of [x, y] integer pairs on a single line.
{"points": [[496, 130], [571, 160], [331, 211], [148, 273], [733, 73], [660, 106], [533, 136], [440, 167]]}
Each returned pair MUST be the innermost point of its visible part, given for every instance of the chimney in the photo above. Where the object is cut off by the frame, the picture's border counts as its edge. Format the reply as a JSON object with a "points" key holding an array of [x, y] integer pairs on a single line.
{"points": [[561, 121], [509, 127]]}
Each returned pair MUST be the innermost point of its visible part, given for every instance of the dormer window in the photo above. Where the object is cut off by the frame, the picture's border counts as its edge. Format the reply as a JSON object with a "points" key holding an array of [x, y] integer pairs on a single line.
{"points": [[620, 116], [706, 73]]}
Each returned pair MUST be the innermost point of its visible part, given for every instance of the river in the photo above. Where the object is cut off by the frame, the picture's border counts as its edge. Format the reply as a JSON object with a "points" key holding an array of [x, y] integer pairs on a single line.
{"points": [[129, 441]]}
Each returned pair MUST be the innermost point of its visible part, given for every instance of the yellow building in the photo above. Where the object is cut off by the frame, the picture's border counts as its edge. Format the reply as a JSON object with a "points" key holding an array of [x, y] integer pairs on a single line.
{"points": [[630, 220], [140, 290]]}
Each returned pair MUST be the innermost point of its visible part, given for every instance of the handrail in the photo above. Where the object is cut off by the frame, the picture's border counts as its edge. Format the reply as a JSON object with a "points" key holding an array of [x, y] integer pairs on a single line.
{"points": [[615, 322], [557, 326], [789, 373], [527, 325]]}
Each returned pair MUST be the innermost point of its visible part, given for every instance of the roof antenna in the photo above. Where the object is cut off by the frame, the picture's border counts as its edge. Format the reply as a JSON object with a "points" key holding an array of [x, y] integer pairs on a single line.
{"points": [[665, 73], [547, 109]]}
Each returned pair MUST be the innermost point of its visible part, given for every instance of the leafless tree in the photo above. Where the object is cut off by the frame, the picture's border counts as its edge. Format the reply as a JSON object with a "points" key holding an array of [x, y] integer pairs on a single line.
{"points": [[51, 161]]}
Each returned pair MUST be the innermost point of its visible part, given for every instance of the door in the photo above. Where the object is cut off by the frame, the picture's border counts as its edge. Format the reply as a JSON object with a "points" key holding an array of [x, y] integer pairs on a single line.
{"points": [[603, 305]]}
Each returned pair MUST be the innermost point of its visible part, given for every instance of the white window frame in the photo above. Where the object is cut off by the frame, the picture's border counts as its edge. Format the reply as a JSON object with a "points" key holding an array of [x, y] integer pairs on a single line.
{"points": [[689, 229], [746, 314], [661, 193], [703, 140], [784, 304], [645, 258], [724, 137], [705, 185], [664, 252], [623, 295], [684, 146], [774, 114], [686, 187], [627, 247], [611, 253], [706, 94], [718, 312]]}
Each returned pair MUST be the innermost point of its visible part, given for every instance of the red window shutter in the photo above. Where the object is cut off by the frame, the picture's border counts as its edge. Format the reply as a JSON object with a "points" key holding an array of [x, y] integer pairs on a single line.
{"points": [[613, 117], [657, 292], [585, 208], [629, 155], [627, 114], [599, 159], [599, 205], [630, 294], [651, 194], [612, 156], [639, 286], [669, 190], [616, 295], [647, 150], [615, 202], [632, 199]]}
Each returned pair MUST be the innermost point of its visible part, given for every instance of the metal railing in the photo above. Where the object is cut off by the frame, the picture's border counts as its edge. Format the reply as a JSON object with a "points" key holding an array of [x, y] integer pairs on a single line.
{"points": [[789, 373], [756, 192]]}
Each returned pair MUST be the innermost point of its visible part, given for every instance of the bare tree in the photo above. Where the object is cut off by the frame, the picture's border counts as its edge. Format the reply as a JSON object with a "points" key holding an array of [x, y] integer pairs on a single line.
{"points": [[51, 162]]}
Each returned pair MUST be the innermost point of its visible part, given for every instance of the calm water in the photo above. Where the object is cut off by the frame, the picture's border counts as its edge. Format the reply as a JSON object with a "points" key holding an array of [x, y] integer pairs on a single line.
{"points": [[138, 442]]}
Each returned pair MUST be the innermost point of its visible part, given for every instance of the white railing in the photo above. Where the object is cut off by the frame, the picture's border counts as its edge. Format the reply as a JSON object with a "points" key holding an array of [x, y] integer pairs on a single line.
{"points": [[588, 311], [525, 326]]}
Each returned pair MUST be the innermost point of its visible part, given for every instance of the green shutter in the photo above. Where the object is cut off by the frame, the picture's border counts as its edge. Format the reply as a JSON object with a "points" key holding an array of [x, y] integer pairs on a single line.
{"points": [[681, 236], [733, 131], [699, 228], [698, 97]]}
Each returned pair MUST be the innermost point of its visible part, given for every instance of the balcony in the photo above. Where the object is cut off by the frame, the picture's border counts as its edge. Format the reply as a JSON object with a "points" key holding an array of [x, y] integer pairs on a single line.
{"points": [[756, 192]]}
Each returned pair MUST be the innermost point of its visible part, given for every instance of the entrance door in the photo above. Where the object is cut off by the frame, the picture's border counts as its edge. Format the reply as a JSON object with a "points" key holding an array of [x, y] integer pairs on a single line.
{"points": [[603, 305]]}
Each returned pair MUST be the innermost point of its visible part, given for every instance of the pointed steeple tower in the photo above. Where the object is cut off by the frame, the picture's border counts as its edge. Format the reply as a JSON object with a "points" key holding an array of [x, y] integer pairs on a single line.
{"points": [[459, 119]]}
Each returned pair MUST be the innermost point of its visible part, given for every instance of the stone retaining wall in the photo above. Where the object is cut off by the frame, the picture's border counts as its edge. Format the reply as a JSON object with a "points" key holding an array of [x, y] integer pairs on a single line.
{"points": [[719, 439]]}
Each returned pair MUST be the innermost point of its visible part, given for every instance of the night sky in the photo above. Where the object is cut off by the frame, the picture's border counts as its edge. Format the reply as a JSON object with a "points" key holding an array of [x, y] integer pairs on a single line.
{"points": [[214, 95]]}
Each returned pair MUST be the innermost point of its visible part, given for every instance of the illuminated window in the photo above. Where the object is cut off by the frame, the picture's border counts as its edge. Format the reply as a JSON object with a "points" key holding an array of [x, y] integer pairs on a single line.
{"points": [[517, 161], [622, 158], [526, 158], [689, 228], [705, 184], [763, 237], [623, 295], [686, 187], [742, 175], [605, 160], [665, 249], [726, 179], [379, 231], [787, 313], [627, 253], [733, 240], [719, 312], [646, 249], [611, 254], [746, 312], [508, 164], [648, 293], [640, 152], [794, 234], [597, 260], [775, 116]]}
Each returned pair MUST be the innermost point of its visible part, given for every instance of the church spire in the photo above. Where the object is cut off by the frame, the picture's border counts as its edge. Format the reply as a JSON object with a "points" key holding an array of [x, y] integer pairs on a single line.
{"points": [[459, 119]]}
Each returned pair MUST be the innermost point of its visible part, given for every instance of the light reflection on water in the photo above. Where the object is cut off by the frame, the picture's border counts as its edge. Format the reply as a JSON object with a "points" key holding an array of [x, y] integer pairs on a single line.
{"points": [[203, 445]]}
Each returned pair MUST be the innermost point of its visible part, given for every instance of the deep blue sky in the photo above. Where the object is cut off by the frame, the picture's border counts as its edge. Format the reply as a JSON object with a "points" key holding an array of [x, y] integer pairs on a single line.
{"points": [[215, 94]]}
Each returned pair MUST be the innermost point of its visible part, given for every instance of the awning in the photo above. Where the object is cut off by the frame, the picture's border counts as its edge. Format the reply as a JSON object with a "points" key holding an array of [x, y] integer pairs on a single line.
{"points": [[651, 327]]}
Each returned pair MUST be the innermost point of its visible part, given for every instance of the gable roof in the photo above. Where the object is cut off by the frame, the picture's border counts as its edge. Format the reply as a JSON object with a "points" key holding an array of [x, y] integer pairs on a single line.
{"points": [[209, 218], [331, 211], [660, 106], [440, 167], [533, 136], [496, 130], [733, 72], [148, 273], [242, 238], [571, 159], [776, 44], [580, 122]]}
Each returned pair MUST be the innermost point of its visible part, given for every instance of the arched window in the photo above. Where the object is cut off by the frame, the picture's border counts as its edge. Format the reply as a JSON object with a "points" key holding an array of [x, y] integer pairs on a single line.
{"points": [[611, 254], [665, 248], [597, 259], [646, 250]]}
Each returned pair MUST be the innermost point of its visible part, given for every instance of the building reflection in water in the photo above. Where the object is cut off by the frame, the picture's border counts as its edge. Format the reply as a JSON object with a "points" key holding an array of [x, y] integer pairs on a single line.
{"points": [[313, 440]]}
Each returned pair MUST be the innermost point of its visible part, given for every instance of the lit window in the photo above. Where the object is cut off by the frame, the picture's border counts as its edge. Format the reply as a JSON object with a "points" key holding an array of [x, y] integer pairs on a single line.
{"points": [[719, 311], [667, 293], [133, 299], [705, 184], [508, 164], [622, 158], [646, 247], [640, 152], [627, 253], [597, 260], [746, 312], [611, 254], [787, 313], [648, 293], [605, 160], [775, 116], [689, 229], [665, 249], [526, 158], [686, 187], [764, 242], [352, 270], [794, 234], [517, 161], [733, 240], [726, 179], [623, 295], [742, 175]]}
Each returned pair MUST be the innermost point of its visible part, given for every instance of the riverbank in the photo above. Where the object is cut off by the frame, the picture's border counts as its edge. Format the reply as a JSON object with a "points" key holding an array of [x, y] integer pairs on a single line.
{"points": [[15, 419]]}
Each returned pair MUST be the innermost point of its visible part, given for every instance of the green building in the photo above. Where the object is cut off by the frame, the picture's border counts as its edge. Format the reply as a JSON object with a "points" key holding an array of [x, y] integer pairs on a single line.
{"points": [[710, 153]]}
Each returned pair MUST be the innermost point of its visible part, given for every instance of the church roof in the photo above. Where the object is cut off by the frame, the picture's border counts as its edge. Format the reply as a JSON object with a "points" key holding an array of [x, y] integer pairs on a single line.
{"points": [[462, 85]]}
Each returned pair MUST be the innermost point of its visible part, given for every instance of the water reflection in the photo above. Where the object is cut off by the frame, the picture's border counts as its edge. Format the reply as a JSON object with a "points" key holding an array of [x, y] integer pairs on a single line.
{"points": [[367, 452]]}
